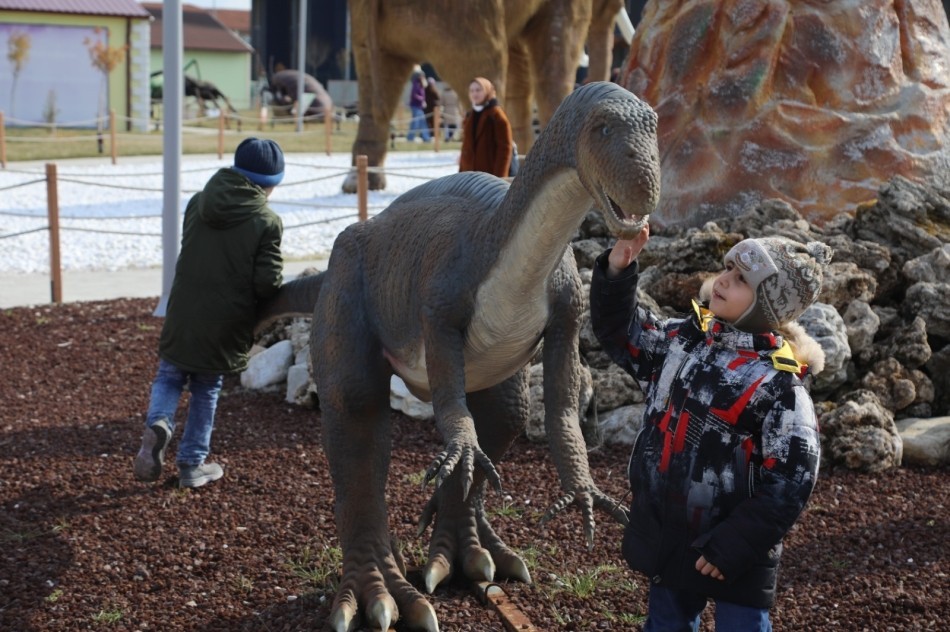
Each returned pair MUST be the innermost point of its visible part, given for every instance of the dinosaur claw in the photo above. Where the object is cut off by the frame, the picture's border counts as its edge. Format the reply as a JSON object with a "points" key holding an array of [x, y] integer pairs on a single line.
{"points": [[436, 570], [514, 568], [479, 566], [423, 618], [466, 485], [383, 612], [343, 619], [425, 519]]}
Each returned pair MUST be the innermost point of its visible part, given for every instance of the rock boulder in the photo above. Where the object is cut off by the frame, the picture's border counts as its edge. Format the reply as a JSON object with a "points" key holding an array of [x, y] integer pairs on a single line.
{"points": [[814, 103]]}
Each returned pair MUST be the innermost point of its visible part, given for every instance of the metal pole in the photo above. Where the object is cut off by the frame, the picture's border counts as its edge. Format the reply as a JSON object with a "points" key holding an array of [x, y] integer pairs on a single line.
{"points": [[301, 60], [172, 99]]}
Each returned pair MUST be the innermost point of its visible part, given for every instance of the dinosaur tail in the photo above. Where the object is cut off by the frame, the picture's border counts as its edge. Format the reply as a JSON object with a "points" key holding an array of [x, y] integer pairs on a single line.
{"points": [[296, 298]]}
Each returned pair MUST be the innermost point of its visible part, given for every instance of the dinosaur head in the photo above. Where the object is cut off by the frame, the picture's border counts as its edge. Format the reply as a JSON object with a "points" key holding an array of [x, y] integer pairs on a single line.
{"points": [[617, 157]]}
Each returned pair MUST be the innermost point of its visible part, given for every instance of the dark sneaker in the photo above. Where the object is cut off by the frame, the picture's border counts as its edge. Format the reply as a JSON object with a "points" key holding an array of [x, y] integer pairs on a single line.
{"points": [[148, 462], [198, 475]]}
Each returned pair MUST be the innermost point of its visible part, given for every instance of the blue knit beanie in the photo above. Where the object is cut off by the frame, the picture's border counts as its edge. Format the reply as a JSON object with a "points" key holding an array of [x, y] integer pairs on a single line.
{"points": [[260, 161]]}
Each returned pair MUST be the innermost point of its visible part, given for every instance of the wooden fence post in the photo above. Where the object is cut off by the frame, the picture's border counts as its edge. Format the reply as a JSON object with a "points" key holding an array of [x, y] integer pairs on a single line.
{"points": [[328, 120], [362, 186], [114, 145], [220, 134], [52, 208], [436, 124]]}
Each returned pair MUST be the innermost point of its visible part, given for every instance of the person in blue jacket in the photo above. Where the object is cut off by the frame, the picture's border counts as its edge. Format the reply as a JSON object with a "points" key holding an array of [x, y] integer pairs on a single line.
{"points": [[728, 453], [230, 260]]}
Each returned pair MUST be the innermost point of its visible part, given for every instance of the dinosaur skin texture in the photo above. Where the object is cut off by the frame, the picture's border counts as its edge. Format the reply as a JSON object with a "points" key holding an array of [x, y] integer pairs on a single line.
{"points": [[453, 288]]}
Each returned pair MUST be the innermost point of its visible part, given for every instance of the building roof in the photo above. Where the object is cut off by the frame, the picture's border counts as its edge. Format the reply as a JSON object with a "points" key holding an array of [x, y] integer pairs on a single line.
{"points": [[235, 19], [118, 8], [200, 30]]}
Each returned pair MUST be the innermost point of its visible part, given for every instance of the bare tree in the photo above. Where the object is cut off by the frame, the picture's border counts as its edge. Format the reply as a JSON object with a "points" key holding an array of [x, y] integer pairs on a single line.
{"points": [[18, 51], [104, 58]]}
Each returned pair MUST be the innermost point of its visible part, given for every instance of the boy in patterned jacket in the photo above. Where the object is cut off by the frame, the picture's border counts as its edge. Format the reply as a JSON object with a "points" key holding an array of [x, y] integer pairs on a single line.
{"points": [[729, 450]]}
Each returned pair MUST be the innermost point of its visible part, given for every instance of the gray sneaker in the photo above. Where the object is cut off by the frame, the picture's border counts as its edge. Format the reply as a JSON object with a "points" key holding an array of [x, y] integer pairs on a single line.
{"points": [[198, 475], [148, 462]]}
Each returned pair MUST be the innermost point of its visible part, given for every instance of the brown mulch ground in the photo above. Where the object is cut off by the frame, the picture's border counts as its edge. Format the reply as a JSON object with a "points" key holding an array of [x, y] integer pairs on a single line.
{"points": [[86, 547]]}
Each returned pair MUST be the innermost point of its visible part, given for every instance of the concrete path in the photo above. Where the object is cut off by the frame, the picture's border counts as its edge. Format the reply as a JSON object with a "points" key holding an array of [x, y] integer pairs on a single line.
{"points": [[18, 290]]}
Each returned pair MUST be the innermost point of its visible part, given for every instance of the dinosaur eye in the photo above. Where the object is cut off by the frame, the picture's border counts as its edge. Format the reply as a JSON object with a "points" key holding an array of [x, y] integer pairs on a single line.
{"points": [[605, 130]]}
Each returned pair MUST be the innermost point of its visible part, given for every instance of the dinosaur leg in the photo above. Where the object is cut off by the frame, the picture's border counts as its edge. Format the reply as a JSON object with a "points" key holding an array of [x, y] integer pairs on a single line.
{"points": [[462, 536], [353, 382], [519, 100], [380, 90]]}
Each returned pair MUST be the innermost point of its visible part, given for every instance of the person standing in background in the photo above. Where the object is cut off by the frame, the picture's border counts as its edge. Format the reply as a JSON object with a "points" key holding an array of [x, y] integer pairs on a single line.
{"points": [[417, 105], [487, 142], [451, 114], [433, 100]]}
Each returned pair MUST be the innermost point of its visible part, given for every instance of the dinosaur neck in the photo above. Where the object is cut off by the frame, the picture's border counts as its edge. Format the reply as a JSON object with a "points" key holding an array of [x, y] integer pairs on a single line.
{"points": [[533, 226], [541, 225]]}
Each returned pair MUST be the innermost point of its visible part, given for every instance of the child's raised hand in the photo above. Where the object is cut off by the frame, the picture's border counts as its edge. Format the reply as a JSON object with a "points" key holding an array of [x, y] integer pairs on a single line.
{"points": [[625, 251]]}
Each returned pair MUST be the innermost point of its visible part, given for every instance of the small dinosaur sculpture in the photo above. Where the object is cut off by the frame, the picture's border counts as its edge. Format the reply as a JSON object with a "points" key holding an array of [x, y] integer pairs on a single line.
{"points": [[453, 288]]}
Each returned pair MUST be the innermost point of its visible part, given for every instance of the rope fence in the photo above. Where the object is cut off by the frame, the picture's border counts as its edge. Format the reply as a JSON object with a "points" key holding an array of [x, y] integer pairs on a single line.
{"points": [[107, 129], [52, 178]]}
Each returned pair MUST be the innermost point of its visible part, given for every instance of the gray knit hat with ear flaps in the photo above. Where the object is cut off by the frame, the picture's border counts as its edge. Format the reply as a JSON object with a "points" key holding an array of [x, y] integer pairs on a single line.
{"points": [[784, 275]]}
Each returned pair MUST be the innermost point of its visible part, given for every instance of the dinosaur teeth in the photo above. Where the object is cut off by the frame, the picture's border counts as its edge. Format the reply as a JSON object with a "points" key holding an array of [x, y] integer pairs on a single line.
{"points": [[616, 209]]}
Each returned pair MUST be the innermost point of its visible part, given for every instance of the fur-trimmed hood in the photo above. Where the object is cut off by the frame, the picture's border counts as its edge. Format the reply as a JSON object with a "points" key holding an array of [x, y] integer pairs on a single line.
{"points": [[806, 349]]}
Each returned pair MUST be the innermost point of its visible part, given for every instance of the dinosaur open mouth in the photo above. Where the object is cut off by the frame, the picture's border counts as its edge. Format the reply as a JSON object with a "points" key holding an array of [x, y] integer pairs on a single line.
{"points": [[622, 225], [618, 212]]}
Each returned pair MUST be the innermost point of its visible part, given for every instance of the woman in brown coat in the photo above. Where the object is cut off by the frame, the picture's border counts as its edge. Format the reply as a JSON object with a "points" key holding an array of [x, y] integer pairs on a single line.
{"points": [[486, 142]]}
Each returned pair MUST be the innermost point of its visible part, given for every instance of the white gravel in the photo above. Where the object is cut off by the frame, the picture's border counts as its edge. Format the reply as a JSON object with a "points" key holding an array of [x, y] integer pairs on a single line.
{"points": [[96, 197]]}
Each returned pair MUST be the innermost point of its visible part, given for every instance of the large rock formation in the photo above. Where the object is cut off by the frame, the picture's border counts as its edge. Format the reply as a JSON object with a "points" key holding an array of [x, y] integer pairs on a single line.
{"points": [[816, 103]]}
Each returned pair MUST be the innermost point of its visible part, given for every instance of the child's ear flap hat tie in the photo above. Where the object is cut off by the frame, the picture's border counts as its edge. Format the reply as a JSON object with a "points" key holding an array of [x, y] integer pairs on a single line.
{"points": [[785, 277]]}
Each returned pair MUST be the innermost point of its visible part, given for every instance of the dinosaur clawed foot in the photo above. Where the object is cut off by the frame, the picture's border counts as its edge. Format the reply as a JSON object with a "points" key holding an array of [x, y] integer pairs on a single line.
{"points": [[587, 499], [463, 539], [375, 591]]}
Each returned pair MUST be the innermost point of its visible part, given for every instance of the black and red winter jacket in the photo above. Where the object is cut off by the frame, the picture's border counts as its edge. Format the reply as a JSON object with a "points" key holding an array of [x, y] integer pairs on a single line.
{"points": [[729, 450]]}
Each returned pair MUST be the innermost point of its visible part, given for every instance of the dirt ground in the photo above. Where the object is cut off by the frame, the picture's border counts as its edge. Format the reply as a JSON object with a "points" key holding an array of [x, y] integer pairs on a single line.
{"points": [[86, 547]]}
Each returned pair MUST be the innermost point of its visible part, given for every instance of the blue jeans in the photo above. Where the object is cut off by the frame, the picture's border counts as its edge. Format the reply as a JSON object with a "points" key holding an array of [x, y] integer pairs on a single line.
{"points": [[418, 124], [167, 387], [678, 611]]}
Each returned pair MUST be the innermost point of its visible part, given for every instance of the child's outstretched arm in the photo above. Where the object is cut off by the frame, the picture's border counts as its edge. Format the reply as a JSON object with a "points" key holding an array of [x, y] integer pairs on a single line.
{"points": [[625, 251]]}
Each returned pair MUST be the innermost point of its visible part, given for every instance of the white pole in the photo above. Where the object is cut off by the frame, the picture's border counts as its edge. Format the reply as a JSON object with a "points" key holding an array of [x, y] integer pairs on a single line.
{"points": [[301, 60], [172, 100]]}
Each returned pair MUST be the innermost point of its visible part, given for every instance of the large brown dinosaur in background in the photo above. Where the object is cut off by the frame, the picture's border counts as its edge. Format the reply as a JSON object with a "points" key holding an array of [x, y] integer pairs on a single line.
{"points": [[453, 288], [529, 49]]}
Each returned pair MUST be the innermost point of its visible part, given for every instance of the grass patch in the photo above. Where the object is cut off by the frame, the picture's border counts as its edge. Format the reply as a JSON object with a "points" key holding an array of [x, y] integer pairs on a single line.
{"points": [[110, 616], [583, 584], [507, 509], [318, 567], [14, 537], [243, 585], [626, 618], [416, 479]]}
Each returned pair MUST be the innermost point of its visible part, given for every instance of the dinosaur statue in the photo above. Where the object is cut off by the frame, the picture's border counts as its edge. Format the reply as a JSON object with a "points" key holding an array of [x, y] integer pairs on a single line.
{"points": [[282, 86], [203, 91], [529, 49], [453, 288]]}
